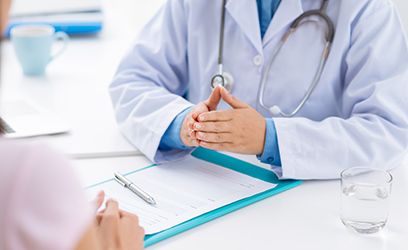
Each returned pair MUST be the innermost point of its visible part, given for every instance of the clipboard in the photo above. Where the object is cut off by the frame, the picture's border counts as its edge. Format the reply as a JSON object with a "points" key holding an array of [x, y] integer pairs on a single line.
{"points": [[236, 165]]}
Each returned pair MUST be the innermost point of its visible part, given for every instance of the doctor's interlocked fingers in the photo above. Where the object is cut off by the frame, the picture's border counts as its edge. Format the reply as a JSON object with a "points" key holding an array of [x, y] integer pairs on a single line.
{"points": [[240, 129], [187, 134]]}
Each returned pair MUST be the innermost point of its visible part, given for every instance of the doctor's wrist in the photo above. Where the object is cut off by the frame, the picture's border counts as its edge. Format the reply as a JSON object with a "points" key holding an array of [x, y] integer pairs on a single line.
{"points": [[261, 135]]}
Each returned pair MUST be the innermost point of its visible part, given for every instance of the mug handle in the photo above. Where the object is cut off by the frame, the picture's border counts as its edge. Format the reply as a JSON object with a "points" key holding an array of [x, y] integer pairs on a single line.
{"points": [[60, 36]]}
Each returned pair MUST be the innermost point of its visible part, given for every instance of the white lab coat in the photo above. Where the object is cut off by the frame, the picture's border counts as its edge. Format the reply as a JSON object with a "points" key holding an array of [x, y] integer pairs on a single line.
{"points": [[357, 115]]}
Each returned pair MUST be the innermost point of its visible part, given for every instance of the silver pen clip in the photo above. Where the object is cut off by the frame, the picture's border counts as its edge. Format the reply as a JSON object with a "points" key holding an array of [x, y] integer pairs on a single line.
{"points": [[118, 180]]}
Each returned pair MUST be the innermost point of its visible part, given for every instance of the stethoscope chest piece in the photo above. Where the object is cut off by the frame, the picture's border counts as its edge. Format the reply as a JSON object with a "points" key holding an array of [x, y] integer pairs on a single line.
{"points": [[225, 80]]}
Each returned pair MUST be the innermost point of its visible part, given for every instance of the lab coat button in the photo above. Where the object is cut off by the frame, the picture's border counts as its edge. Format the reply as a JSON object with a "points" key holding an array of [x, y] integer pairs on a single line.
{"points": [[258, 60]]}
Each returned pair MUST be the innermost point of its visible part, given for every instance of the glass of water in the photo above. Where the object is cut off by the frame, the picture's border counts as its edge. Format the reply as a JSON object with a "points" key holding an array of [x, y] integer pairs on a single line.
{"points": [[365, 198]]}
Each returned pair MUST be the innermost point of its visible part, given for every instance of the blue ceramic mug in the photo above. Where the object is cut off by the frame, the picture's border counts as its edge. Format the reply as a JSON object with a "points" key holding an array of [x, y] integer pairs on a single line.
{"points": [[33, 45]]}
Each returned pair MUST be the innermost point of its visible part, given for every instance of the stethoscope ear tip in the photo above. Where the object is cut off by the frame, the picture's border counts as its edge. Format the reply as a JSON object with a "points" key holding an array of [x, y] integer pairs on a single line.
{"points": [[275, 110]]}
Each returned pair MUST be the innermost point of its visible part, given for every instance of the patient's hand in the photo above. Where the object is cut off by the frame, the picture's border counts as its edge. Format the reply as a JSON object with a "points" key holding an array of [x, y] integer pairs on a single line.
{"points": [[117, 229], [98, 201]]}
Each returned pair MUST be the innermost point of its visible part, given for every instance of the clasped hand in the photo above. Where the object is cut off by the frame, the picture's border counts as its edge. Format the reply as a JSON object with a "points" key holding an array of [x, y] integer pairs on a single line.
{"points": [[240, 129]]}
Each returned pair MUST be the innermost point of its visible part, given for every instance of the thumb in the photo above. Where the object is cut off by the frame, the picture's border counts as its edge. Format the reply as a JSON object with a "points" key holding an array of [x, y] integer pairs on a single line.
{"points": [[98, 201], [231, 100], [214, 99]]}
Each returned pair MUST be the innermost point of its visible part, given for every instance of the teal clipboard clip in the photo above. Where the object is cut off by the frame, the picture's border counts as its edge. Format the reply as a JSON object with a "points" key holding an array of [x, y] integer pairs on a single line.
{"points": [[236, 165]]}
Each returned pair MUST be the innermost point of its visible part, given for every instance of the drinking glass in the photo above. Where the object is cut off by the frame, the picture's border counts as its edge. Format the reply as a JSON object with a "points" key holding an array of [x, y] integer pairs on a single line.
{"points": [[365, 198]]}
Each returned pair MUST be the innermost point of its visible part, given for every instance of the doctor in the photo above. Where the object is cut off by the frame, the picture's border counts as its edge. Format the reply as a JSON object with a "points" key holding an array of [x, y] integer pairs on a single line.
{"points": [[310, 96]]}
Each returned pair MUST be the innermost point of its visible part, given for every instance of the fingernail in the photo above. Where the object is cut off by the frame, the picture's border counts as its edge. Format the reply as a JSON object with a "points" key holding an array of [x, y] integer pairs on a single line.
{"points": [[197, 126], [202, 117]]}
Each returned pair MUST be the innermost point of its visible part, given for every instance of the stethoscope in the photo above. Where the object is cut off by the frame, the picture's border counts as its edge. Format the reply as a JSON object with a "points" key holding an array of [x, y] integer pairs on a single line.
{"points": [[222, 78]]}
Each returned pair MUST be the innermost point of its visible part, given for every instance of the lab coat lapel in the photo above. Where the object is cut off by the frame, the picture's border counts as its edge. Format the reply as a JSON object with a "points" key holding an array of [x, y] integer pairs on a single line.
{"points": [[286, 13], [245, 14]]}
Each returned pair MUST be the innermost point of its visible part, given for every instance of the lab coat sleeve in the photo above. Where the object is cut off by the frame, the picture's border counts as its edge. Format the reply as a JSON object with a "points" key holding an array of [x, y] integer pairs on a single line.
{"points": [[374, 129], [149, 84]]}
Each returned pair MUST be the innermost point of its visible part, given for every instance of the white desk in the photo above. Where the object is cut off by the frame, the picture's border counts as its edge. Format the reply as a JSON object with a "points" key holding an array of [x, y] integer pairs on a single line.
{"points": [[306, 217], [76, 84], [76, 90]]}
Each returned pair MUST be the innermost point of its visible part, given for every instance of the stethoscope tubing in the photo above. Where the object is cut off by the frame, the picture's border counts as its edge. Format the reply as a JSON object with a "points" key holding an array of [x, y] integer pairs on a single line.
{"points": [[221, 41], [275, 110]]}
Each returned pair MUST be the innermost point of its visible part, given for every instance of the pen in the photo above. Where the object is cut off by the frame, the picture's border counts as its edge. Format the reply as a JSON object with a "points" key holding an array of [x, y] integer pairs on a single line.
{"points": [[122, 180]]}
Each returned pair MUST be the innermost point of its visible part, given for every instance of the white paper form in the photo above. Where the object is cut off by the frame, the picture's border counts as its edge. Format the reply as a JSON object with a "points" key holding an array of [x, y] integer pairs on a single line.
{"points": [[183, 190]]}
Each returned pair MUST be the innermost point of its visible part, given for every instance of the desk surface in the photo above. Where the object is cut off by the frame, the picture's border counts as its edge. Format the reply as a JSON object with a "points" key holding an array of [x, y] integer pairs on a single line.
{"points": [[76, 86], [304, 217]]}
